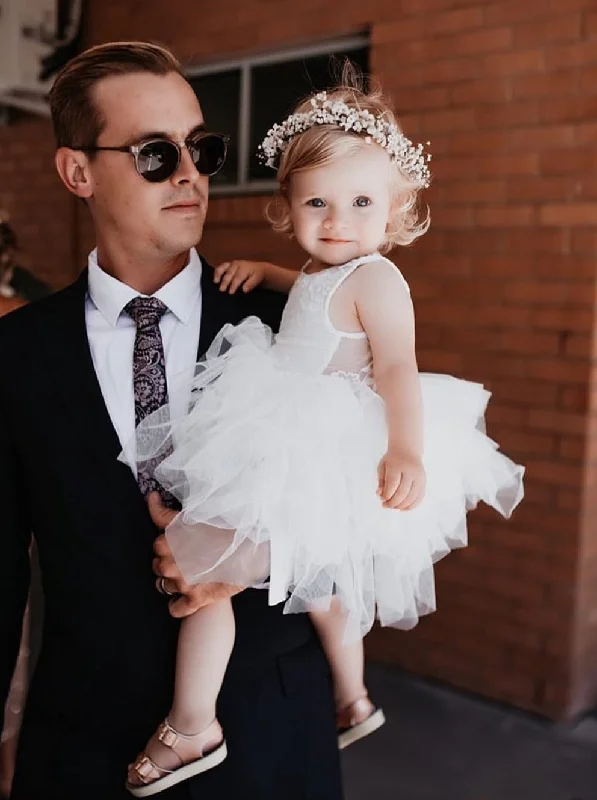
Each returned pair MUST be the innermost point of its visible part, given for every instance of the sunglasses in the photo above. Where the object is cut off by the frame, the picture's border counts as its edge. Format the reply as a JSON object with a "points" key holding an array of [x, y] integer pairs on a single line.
{"points": [[156, 160]]}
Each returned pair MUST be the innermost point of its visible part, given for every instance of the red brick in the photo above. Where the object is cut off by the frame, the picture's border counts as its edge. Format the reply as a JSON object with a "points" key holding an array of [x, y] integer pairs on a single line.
{"points": [[557, 421], [558, 370], [421, 99], [504, 216], [584, 240], [517, 62], [573, 214], [513, 114], [552, 29], [453, 217], [447, 70], [541, 190], [562, 319], [485, 40], [536, 139], [586, 134], [553, 85], [575, 398], [568, 109], [577, 54], [408, 28], [447, 121], [578, 163], [480, 92], [475, 192]]}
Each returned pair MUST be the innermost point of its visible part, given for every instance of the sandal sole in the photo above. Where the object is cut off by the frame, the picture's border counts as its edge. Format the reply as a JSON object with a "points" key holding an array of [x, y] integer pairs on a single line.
{"points": [[181, 774], [368, 726]]}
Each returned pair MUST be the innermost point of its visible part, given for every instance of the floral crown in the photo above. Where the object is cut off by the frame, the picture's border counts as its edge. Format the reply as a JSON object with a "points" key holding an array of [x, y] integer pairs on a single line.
{"points": [[409, 157]]}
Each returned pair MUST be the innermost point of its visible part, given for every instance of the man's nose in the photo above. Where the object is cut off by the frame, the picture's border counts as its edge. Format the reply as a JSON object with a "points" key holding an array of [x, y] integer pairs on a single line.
{"points": [[187, 171]]}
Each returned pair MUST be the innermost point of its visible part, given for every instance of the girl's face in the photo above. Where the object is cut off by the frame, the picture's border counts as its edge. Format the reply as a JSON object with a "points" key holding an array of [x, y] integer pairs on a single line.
{"points": [[340, 211]]}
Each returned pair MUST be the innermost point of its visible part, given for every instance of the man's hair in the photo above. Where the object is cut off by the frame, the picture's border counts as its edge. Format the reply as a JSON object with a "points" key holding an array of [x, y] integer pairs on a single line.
{"points": [[76, 119]]}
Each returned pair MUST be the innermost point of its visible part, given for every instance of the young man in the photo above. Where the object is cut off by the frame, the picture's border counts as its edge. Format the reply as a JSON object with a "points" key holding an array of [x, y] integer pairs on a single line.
{"points": [[79, 369]]}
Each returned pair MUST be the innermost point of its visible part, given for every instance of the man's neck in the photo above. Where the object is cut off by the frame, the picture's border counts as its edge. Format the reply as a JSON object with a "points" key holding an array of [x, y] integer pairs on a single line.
{"points": [[144, 274]]}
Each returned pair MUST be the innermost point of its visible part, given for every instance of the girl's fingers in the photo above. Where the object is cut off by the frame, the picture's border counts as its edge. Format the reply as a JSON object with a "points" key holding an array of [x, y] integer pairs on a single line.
{"points": [[251, 283], [400, 494], [393, 479], [220, 270]]}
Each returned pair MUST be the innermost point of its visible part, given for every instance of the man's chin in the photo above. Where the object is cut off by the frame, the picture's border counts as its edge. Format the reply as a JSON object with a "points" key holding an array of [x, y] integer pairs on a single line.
{"points": [[183, 242]]}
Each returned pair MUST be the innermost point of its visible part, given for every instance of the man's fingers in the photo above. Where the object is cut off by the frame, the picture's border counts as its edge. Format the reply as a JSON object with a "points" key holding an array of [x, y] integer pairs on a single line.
{"points": [[184, 606], [161, 515], [167, 585], [161, 548]]}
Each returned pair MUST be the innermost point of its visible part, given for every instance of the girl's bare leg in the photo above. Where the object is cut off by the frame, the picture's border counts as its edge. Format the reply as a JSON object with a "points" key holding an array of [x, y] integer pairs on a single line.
{"points": [[204, 645], [347, 662]]}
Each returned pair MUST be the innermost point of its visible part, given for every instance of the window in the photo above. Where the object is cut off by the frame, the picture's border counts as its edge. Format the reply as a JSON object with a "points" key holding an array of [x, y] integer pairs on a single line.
{"points": [[244, 98]]}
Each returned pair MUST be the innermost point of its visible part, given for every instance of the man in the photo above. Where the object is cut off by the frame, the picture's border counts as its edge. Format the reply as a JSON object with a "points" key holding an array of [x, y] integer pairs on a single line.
{"points": [[81, 368]]}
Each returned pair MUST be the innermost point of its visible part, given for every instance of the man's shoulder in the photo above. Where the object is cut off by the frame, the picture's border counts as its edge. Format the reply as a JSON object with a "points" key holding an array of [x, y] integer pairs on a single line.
{"points": [[25, 324]]}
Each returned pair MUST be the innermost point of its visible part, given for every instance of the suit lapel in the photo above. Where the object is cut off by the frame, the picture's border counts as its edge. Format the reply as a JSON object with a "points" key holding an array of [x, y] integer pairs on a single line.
{"points": [[217, 309]]}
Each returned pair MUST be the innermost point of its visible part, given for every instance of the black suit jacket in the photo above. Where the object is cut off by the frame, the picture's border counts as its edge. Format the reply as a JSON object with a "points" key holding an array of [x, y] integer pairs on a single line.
{"points": [[106, 665]]}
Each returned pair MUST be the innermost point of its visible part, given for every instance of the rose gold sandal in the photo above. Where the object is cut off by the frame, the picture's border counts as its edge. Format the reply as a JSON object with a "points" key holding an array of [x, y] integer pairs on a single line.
{"points": [[357, 720], [155, 779]]}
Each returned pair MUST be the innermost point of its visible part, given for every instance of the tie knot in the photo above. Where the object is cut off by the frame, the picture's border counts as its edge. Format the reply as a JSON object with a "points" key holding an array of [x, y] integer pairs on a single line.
{"points": [[145, 310]]}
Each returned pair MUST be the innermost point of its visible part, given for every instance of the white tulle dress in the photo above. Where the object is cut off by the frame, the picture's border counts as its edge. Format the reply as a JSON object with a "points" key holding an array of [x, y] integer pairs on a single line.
{"points": [[276, 467]]}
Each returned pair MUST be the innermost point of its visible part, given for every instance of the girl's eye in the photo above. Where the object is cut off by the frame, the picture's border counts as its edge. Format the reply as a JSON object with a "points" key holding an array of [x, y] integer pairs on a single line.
{"points": [[316, 202], [362, 202]]}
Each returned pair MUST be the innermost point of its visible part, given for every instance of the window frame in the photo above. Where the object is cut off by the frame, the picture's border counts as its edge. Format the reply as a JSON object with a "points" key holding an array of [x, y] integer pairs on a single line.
{"points": [[244, 186]]}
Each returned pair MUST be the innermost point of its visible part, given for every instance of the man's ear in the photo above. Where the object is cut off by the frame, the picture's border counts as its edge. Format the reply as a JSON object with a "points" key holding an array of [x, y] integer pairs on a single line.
{"points": [[73, 168]]}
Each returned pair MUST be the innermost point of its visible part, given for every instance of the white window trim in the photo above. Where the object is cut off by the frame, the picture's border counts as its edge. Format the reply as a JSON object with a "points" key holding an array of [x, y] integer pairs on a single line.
{"points": [[244, 65]]}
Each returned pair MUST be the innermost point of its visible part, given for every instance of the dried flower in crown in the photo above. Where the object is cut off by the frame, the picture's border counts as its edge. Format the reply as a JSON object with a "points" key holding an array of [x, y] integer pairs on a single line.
{"points": [[409, 157]]}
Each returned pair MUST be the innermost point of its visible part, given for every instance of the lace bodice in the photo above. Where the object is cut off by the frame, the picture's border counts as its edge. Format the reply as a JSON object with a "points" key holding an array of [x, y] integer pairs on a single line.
{"points": [[308, 341]]}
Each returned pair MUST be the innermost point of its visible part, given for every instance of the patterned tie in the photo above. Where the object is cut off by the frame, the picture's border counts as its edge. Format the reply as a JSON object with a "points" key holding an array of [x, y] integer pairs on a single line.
{"points": [[149, 379]]}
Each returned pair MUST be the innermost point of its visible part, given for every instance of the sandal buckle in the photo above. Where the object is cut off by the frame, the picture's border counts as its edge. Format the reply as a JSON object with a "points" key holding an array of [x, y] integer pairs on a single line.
{"points": [[167, 735]]}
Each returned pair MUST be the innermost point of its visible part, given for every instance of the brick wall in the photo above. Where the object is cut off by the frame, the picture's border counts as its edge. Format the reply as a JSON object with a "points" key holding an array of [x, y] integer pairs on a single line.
{"points": [[504, 285]]}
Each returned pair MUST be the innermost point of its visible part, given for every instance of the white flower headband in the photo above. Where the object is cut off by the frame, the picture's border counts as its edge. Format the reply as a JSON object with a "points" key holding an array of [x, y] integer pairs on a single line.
{"points": [[410, 157]]}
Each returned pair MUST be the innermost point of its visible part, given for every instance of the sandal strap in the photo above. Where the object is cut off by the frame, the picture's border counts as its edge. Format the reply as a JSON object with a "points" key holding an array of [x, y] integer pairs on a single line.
{"points": [[170, 737], [144, 766]]}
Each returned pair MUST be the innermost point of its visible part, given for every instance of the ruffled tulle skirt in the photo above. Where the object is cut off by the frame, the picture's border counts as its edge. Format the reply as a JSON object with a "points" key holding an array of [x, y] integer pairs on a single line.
{"points": [[277, 472]]}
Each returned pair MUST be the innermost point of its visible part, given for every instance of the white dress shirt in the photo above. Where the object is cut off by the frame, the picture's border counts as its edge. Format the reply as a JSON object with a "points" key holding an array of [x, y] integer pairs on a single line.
{"points": [[111, 334]]}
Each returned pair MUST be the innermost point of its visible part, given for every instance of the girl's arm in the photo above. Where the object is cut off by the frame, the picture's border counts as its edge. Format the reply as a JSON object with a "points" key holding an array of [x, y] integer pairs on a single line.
{"points": [[386, 313], [233, 275]]}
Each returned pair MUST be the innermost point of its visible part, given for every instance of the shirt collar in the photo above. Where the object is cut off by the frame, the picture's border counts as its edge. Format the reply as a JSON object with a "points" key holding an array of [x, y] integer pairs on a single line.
{"points": [[110, 296]]}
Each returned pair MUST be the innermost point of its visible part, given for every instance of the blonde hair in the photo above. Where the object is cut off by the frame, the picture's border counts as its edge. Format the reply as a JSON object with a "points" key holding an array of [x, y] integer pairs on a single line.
{"points": [[322, 144]]}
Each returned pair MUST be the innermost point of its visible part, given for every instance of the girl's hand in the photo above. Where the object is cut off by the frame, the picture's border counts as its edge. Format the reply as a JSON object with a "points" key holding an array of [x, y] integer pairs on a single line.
{"points": [[401, 480], [231, 275]]}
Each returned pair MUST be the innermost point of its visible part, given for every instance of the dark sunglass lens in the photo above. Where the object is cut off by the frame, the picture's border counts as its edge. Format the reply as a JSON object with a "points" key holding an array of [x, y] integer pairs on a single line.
{"points": [[208, 153], [157, 161]]}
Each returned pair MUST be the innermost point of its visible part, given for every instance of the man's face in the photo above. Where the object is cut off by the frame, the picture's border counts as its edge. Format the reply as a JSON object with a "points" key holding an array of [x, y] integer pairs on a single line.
{"points": [[163, 219]]}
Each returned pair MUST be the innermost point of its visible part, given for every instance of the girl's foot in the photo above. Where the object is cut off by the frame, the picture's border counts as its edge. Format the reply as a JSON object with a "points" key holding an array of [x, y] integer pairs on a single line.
{"points": [[171, 757], [357, 720]]}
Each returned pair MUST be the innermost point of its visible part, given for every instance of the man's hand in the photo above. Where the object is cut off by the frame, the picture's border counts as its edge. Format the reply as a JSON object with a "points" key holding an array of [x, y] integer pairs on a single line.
{"points": [[191, 598]]}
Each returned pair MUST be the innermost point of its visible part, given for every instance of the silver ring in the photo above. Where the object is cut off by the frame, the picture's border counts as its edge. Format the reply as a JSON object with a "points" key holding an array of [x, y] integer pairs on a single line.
{"points": [[161, 587]]}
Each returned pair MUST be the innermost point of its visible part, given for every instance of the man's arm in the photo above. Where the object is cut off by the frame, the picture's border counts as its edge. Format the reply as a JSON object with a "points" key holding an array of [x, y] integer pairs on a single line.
{"points": [[15, 538]]}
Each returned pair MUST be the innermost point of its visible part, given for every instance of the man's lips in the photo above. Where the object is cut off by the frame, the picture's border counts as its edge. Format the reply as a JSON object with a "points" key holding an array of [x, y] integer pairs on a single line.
{"points": [[189, 204]]}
